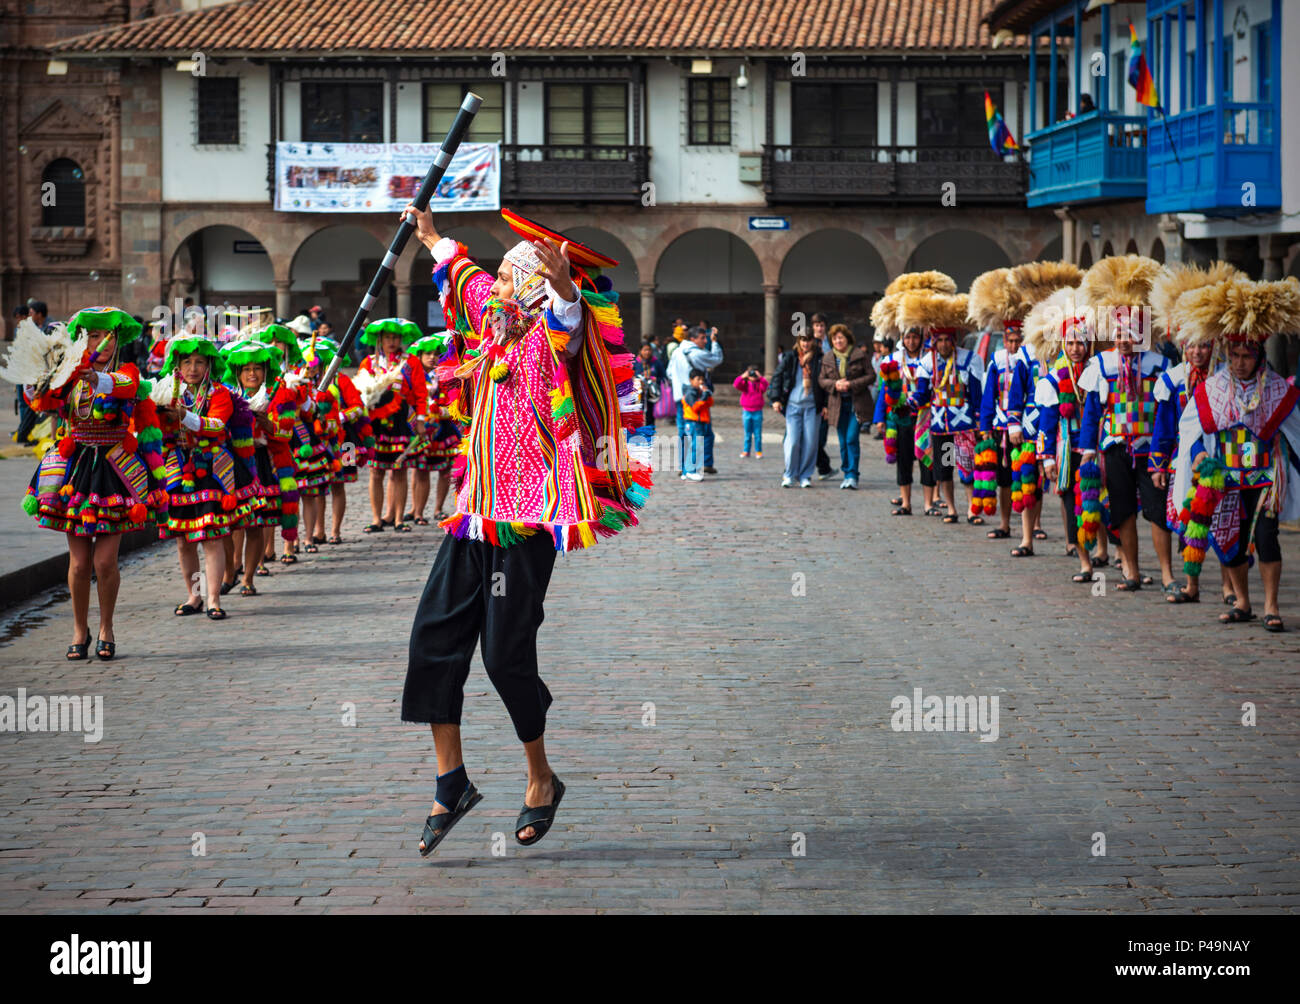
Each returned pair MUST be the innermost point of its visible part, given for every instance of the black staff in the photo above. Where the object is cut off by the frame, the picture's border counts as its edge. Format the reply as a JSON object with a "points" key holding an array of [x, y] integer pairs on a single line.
{"points": [[468, 109]]}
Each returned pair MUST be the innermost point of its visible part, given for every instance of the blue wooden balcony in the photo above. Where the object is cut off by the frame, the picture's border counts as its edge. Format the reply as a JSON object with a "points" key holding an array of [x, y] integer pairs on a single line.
{"points": [[1097, 156], [1223, 159]]}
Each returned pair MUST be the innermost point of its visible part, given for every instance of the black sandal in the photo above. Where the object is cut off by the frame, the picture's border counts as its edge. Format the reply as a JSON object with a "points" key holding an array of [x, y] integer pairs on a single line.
{"points": [[1129, 586], [1071, 551], [1022, 552], [998, 534], [247, 590], [184, 609], [262, 570], [226, 587], [1230, 600], [408, 517], [902, 510], [216, 614], [1149, 581], [317, 540], [975, 520], [106, 649], [312, 549], [1083, 578], [1179, 595], [1101, 562], [934, 510], [385, 522], [288, 559], [403, 528], [952, 517], [1237, 616], [1040, 535], [421, 521], [897, 501], [78, 652], [336, 539], [432, 835], [374, 528], [1272, 622], [539, 817]]}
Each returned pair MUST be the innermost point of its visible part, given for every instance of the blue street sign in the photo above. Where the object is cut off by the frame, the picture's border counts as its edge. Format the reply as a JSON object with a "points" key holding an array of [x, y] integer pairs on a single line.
{"points": [[769, 223]]}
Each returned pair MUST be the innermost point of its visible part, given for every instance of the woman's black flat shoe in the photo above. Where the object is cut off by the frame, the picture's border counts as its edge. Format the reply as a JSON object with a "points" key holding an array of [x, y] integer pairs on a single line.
{"points": [[540, 817], [436, 827]]}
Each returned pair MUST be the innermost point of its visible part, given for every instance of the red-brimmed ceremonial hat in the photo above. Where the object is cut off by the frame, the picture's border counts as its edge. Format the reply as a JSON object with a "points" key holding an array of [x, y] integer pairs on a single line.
{"points": [[579, 253]]}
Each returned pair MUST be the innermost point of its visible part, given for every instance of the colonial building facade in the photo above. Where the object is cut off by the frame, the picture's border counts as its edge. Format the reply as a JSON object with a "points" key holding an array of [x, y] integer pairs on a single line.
{"points": [[742, 166]]}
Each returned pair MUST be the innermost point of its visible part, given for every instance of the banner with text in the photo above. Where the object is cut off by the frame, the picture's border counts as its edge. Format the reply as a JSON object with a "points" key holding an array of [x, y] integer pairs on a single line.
{"points": [[382, 177]]}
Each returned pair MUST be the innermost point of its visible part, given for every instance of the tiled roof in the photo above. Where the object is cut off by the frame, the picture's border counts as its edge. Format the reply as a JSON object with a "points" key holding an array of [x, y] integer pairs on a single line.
{"points": [[458, 27]]}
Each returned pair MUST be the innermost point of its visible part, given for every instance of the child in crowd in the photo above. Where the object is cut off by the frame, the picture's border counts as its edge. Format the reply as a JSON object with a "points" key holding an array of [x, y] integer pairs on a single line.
{"points": [[695, 411], [752, 386]]}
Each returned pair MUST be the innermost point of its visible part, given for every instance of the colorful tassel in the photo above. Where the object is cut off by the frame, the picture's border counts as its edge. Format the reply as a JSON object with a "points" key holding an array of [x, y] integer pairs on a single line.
{"points": [[1208, 480], [31, 504], [1088, 503], [1024, 476], [984, 492]]}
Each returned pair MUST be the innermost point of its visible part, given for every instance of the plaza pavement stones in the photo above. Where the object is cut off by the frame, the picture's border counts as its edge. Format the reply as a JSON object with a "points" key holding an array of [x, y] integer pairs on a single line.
{"points": [[723, 678]]}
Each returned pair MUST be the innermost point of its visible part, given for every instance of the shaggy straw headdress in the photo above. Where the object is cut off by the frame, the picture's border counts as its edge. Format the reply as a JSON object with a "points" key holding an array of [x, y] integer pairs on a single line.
{"points": [[1177, 279], [1119, 290], [935, 282], [994, 300], [933, 311], [1051, 320], [1037, 280], [1239, 310], [884, 316]]}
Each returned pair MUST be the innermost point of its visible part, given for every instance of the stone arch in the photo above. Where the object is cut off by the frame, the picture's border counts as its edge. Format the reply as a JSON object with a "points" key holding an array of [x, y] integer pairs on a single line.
{"points": [[332, 266], [710, 274], [963, 254], [206, 265], [1085, 254], [1131, 247], [1107, 250], [1158, 250], [1053, 250], [837, 272]]}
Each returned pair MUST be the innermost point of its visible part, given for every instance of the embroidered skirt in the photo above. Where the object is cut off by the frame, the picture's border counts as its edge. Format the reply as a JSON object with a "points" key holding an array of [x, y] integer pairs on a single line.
{"points": [[94, 491], [440, 452], [215, 497]]}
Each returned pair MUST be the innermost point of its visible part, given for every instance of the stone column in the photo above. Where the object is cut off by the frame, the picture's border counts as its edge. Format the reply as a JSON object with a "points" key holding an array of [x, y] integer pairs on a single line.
{"points": [[404, 301], [647, 310], [282, 298], [1272, 248], [1069, 241], [1171, 236], [771, 320]]}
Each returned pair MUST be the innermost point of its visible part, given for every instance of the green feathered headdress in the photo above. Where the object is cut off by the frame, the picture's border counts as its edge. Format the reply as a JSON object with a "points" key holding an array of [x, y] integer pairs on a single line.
{"points": [[323, 351], [187, 345], [126, 327], [285, 339], [249, 350], [436, 343], [409, 330]]}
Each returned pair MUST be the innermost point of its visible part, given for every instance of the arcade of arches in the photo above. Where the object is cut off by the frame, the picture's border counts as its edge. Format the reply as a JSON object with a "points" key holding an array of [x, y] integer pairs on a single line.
{"points": [[704, 265]]}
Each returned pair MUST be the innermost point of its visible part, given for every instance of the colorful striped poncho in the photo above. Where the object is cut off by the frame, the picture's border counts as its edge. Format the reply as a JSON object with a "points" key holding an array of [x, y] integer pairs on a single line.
{"points": [[551, 443]]}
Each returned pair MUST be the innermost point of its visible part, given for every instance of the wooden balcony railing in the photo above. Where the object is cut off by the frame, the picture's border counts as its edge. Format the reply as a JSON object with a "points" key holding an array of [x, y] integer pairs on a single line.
{"points": [[563, 173], [890, 174]]}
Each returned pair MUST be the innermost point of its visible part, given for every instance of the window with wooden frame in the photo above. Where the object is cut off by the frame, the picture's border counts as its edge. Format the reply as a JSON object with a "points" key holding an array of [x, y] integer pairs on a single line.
{"points": [[342, 112], [708, 102], [952, 115], [442, 100], [218, 111], [824, 113], [67, 203], [583, 118]]}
